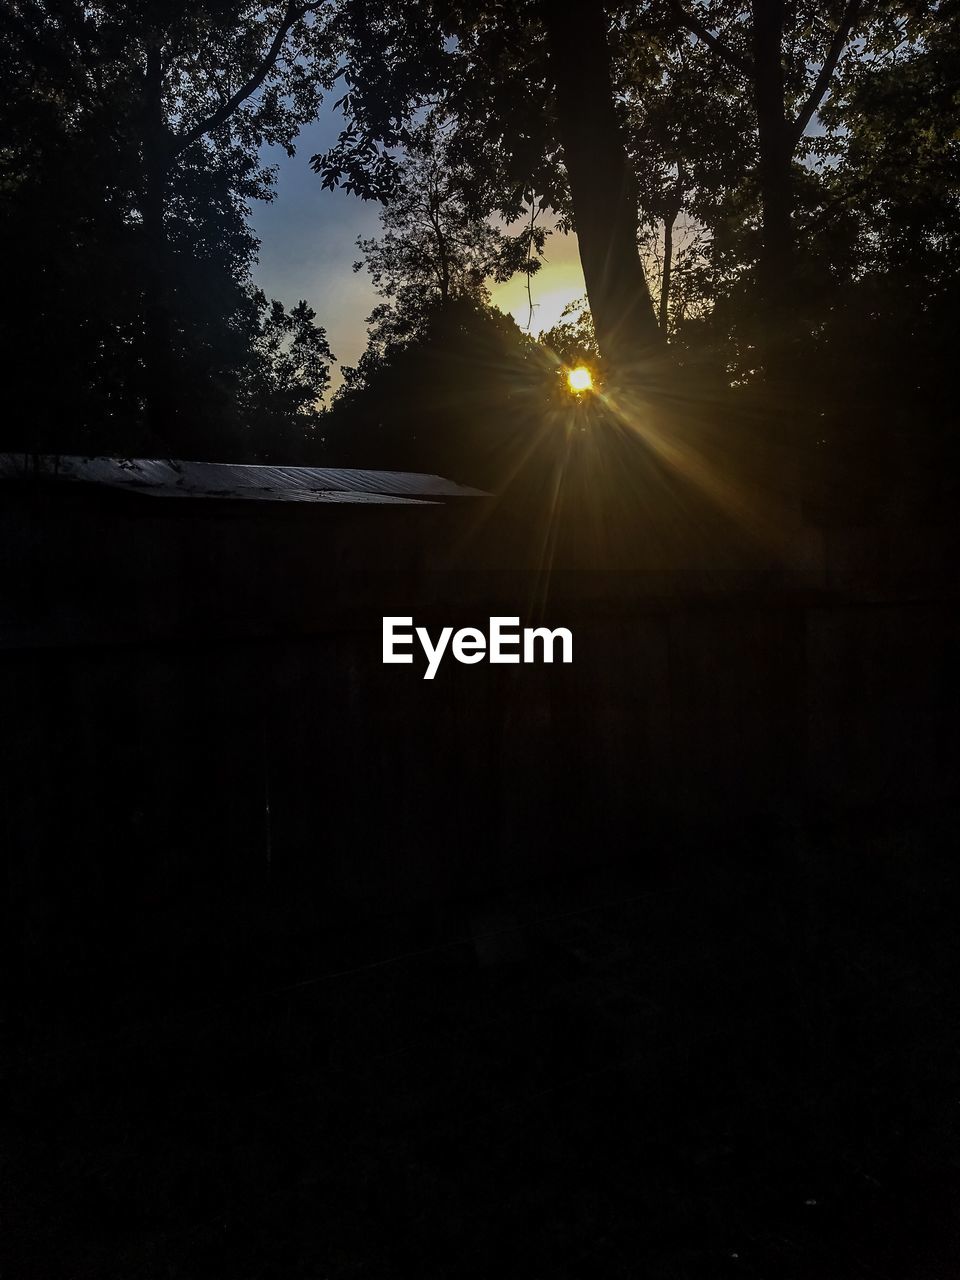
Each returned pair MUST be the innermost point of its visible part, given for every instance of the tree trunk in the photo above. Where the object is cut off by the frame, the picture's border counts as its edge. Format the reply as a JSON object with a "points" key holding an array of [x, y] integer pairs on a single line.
{"points": [[443, 257], [601, 183], [670, 215], [664, 315], [159, 371], [776, 274]]}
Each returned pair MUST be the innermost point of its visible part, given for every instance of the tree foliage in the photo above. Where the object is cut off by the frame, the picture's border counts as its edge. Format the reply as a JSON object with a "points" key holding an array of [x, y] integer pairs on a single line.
{"points": [[461, 396], [765, 196], [132, 155], [438, 244]]}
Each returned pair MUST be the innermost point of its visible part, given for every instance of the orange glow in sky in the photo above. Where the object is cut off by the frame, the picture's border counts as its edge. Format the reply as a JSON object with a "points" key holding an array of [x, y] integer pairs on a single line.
{"points": [[558, 282]]}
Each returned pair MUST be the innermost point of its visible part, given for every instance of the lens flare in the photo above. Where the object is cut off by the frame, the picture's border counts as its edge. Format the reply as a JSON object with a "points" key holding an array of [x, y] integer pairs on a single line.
{"points": [[580, 379]]}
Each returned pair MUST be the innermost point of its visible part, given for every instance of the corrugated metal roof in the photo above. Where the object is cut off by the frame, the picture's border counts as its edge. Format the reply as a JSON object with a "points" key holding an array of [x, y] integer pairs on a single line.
{"points": [[169, 478]]}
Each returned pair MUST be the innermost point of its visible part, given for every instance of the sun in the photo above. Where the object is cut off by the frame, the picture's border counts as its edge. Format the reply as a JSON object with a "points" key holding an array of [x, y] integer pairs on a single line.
{"points": [[580, 379]]}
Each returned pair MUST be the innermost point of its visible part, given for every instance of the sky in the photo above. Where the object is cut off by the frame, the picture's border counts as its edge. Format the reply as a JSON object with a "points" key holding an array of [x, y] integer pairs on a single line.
{"points": [[308, 247]]}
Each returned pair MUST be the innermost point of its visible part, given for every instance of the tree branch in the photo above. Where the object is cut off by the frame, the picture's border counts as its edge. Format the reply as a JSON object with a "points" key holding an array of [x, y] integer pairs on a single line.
{"points": [[822, 83], [292, 14], [696, 27]]}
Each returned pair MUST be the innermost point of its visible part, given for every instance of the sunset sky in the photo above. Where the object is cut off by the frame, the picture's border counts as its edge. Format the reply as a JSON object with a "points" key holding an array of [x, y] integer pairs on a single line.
{"points": [[308, 247]]}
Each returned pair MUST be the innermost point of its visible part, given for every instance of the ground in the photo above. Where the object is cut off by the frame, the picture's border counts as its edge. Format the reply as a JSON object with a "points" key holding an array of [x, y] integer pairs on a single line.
{"points": [[746, 1068]]}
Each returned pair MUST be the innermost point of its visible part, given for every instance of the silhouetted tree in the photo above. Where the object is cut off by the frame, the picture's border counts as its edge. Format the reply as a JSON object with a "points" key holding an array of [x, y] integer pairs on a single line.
{"points": [[462, 396], [530, 85], [438, 244], [572, 338], [134, 137]]}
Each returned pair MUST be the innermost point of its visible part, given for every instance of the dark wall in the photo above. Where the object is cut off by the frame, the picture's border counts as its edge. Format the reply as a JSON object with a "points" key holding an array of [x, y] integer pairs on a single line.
{"points": [[208, 771]]}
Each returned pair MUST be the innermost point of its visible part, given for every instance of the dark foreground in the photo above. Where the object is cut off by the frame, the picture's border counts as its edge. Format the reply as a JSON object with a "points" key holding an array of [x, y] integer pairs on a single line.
{"points": [[749, 1068]]}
